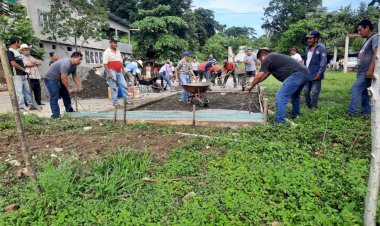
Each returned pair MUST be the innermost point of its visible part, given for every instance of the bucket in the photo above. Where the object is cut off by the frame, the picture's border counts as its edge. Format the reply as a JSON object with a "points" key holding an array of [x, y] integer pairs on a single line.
{"points": [[130, 92]]}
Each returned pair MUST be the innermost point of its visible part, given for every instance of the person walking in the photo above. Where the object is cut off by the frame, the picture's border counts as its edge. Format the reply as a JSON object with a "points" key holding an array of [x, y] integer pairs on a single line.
{"points": [[194, 66], [57, 82], [229, 69], [183, 71], [19, 75], [32, 65], [291, 73], [295, 55], [164, 74], [316, 61], [53, 57], [113, 64], [250, 68], [366, 68]]}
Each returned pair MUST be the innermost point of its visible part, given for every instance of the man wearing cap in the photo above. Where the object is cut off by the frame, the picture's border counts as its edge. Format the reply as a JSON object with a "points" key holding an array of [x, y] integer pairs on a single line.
{"points": [[250, 67], [19, 74], [215, 73], [57, 82], [183, 71], [366, 67], [113, 64], [132, 70], [229, 69], [316, 61], [31, 65], [295, 55], [291, 73]]}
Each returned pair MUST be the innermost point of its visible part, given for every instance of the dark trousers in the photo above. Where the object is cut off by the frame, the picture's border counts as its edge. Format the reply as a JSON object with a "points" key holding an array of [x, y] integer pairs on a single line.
{"points": [[56, 90], [311, 90], [36, 88]]}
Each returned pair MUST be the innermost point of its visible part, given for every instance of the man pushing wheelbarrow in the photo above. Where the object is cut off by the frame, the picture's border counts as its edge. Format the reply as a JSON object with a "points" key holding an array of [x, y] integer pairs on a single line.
{"points": [[183, 71]]}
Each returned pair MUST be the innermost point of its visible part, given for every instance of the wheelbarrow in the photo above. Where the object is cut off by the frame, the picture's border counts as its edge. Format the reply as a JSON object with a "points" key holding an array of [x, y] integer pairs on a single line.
{"points": [[197, 92]]}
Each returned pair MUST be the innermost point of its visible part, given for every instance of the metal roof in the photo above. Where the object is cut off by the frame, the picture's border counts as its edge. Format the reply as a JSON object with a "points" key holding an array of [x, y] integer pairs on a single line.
{"points": [[118, 19]]}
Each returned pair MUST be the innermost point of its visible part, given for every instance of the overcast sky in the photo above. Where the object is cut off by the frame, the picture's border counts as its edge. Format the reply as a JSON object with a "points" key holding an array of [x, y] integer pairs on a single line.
{"points": [[250, 13]]}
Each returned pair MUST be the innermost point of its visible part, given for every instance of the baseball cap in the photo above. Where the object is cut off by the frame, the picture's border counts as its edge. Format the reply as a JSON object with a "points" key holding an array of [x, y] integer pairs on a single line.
{"points": [[314, 34], [113, 40], [264, 49], [186, 53]]}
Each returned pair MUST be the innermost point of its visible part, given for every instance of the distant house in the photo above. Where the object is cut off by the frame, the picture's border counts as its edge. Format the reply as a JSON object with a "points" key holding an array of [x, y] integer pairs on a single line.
{"points": [[92, 50]]}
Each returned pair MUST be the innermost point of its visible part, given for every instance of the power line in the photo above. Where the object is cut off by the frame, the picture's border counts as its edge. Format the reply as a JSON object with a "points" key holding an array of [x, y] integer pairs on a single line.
{"points": [[241, 13]]}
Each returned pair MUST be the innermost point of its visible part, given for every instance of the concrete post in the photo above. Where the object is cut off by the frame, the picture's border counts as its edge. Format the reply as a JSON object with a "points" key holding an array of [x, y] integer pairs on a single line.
{"points": [[346, 45], [129, 37], [116, 34], [230, 54], [335, 55]]}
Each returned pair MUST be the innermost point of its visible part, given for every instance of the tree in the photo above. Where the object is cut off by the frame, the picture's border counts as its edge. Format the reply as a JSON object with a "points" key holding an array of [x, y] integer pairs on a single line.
{"points": [[205, 24], [281, 13], [126, 9], [76, 21], [21, 26], [240, 31], [161, 36]]}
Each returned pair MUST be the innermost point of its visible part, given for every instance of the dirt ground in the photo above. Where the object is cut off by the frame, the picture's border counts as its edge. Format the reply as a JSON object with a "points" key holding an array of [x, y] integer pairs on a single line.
{"points": [[228, 101], [95, 87], [87, 144]]}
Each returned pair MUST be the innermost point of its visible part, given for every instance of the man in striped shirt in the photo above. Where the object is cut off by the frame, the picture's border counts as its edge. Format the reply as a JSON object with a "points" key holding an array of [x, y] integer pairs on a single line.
{"points": [[113, 64], [183, 71]]}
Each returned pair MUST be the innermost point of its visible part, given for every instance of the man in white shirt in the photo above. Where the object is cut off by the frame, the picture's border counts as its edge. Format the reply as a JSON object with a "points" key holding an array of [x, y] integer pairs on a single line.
{"points": [[295, 55]]}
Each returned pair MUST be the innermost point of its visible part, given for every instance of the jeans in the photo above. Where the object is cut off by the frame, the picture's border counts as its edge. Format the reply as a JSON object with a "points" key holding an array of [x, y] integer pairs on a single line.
{"points": [[204, 74], [359, 91], [119, 78], [56, 90], [36, 87], [184, 79], [311, 90], [233, 76], [22, 90], [291, 88], [163, 76]]}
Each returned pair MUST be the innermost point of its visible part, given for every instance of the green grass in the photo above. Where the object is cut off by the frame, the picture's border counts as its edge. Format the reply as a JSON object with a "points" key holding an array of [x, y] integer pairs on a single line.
{"points": [[253, 176]]}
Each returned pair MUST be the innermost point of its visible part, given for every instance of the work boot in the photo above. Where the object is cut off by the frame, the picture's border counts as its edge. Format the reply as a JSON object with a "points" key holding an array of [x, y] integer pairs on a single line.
{"points": [[32, 108], [70, 110]]}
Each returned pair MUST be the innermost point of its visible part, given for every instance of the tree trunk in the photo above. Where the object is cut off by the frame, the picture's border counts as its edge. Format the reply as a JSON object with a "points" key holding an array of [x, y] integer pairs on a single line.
{"points": [[374, 174], [16, 113]]}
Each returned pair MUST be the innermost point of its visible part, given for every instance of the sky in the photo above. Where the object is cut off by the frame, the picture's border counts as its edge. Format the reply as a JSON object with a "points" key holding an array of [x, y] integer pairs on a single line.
{"points": [[249, 13]]}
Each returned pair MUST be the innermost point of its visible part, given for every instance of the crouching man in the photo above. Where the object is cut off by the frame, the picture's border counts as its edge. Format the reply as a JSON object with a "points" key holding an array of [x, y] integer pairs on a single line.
{"points": [[57, 83], [291, 73]]}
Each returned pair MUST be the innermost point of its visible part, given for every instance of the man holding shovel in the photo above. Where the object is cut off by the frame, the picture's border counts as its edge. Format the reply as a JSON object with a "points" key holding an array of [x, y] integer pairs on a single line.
{"points": [[229, 69], [291, 73], [57, 83]]}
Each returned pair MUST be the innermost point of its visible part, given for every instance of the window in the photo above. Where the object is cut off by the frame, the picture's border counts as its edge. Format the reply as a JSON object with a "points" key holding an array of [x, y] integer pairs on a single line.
{"points": [[69, 49], [87, 56], [53, 46], [41, 45], [97, 57], [92, 57], [101, 57]]}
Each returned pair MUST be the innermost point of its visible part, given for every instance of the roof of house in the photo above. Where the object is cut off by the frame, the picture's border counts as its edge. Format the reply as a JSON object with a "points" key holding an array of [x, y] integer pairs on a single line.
{"points": [[118, 19]]}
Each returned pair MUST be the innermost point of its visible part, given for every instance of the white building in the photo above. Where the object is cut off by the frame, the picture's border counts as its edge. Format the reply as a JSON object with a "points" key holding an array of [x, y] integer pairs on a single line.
{"points": [[92, 50]]}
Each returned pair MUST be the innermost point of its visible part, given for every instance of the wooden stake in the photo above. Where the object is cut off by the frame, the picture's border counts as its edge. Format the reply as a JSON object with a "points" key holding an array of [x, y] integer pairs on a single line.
{"points": [[193, 115], [265, 110], [374, 172], [115, 114], [76, 101], [16, 112], [125, 110]]}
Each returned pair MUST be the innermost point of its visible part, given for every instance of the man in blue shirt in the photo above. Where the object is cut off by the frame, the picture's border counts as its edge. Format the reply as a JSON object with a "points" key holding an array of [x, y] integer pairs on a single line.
{"points": [[366, 67], [316, 61]]}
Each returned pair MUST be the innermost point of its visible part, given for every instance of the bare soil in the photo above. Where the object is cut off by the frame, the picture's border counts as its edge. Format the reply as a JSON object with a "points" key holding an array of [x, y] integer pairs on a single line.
{"points": [[98, 141], [227, 101]]}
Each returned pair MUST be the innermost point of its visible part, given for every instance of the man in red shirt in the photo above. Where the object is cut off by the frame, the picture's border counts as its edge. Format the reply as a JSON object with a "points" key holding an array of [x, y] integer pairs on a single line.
{"points": [[229, 68], [215, 72], [113, 64], [202, 72]]}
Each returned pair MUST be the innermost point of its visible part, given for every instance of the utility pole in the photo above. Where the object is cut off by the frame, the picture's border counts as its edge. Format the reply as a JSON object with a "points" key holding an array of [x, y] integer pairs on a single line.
{"points": [[374, 173], [16, 112]]}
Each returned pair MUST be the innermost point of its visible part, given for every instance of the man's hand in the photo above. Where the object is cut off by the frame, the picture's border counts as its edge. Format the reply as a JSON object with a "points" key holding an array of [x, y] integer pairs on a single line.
{"points": [[79, 88], [250, 87], [70, 90], [369, 74], [318, 77]]}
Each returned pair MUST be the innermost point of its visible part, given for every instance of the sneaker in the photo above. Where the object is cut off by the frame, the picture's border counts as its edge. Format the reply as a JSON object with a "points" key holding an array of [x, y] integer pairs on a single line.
{"points": [[129, 102], [180, 100], [223, 87]]}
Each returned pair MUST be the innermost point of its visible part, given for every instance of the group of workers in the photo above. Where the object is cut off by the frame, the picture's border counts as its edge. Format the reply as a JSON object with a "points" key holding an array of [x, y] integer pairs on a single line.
{"points": [[295, 73]]}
